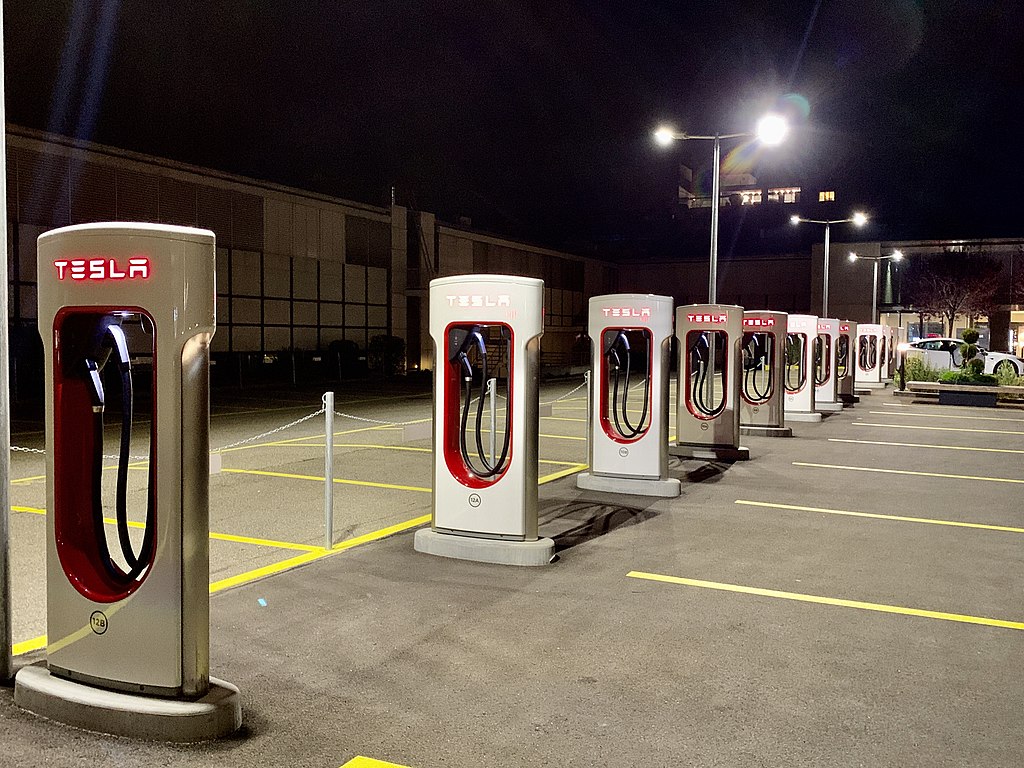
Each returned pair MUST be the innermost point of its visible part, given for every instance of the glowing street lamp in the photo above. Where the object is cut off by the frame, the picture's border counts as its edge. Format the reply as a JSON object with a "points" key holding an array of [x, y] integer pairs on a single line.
{"points": [[858, 219], [771, 131], [894, 256]]}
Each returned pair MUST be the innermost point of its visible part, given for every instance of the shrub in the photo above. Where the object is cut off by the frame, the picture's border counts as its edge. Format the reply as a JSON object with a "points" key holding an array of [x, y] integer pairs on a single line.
{"points": [[916, 369], [975, 366], [964, 377], [970, 335], [1007, 376]]}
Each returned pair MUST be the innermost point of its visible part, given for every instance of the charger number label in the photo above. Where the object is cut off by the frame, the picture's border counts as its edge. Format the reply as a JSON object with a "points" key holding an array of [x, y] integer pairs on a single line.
{"points": [[98, 622]]}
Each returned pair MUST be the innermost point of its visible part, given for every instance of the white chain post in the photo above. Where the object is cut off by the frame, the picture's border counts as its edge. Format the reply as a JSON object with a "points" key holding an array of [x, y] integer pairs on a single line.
{"points": [[328, 470]]}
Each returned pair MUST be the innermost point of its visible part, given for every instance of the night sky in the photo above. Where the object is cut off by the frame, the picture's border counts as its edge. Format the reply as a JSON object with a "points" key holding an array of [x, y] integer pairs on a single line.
{"points": [[534, 118]]}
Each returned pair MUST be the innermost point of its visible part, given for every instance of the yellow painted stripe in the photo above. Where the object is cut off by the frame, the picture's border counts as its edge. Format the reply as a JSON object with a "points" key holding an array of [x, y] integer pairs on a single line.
{"points": [[880, 607], [895, 518], [938, 429], [27, 479], [340, 481], [268, 570], [293, 562], [909, 472], [925, 445], [382, 533], [26, 646], [562, 473], [911, 414], [564, 418], [264, 542], [402, 448], [33, 510], [369, 762], [219, 536]]}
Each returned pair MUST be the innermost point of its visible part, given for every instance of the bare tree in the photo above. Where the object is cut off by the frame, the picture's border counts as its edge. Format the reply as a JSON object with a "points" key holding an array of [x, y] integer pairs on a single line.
{"points": [[954, 282]]}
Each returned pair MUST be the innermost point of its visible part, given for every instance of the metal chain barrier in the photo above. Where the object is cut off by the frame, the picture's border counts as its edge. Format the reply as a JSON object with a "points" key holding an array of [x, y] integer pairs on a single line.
{"points": [[19, 449], [570, 393], [274, 431], [377, 421]]}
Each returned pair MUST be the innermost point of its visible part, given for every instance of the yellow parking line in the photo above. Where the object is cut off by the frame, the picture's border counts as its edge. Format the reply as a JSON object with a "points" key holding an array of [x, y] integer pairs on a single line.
{"points": [[564, 418], [315, 553], [908, 472], [368, 762], [880, 607], [401, 448], [340, 481], [219, 536], [895, 518], [20, 480], [562, 473], [937, 429], [944, 416], [382, 533], [925, 445]]}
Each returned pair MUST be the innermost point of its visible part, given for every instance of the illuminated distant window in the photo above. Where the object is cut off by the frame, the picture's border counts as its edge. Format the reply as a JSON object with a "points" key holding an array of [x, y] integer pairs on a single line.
{"points": [[827, 197], [750, 196], [784, 195]]}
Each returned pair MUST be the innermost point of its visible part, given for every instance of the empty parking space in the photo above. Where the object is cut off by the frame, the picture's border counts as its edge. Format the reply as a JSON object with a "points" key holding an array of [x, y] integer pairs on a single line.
{"points": [[845, 595]]}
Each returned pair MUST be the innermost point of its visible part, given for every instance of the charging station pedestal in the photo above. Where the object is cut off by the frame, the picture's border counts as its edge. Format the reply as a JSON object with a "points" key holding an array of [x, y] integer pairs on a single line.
{"points": [[762, 408], [846, 361], [128, 630], [826, 392], [707, 399], [486, 328], [871, 352], [630, 334], [801, 337]]}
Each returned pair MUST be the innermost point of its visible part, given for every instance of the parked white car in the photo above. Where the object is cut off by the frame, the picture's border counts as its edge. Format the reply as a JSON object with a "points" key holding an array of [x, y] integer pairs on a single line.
{"points": [[944, 354]]}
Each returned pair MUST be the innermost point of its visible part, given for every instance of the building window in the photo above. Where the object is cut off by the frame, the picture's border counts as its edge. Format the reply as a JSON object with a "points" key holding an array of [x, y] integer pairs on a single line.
{"points": [[750, 196], [784, 195], [827, 197]]}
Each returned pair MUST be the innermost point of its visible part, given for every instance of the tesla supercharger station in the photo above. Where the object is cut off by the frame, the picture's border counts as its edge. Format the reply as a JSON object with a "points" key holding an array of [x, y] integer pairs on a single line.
{"points": [[892, 343], [708, 337], [846, 360], [631, 337], [870, 353], [486, 331], [826, 382], [128, 616], [801, 339], [762, 410]]}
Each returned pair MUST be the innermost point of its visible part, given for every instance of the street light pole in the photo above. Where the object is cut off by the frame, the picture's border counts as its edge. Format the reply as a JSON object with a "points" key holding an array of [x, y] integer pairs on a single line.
{"points": [[874, 291], [824, 288], [894, 256], [771, 130], [715, 181], [858, 219]]}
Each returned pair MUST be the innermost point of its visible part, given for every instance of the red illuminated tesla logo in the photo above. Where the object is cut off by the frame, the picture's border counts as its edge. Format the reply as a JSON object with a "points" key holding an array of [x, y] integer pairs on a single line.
{"points": [[479, 300], [758, 322], [844, 328], [137, 268], [641, 312], [824, 326], [722, 318]]}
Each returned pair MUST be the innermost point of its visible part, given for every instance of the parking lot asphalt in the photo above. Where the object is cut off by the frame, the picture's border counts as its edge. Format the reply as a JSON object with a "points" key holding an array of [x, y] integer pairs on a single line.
{"points": [[850, 596]]}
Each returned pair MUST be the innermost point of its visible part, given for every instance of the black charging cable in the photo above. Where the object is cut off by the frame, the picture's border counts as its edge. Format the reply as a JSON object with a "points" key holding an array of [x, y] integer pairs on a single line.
{"points": [[113, 338], [623, 373], [751, 388], [475, 339], [795, 341]]}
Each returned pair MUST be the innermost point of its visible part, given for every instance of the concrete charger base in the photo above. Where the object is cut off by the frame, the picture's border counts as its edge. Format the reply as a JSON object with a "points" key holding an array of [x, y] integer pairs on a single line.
{"points": [[872, 385], [667, 488], [497, 551], [215, 715], [812, 418], [828, 407], [709, 452], [754, 429]]}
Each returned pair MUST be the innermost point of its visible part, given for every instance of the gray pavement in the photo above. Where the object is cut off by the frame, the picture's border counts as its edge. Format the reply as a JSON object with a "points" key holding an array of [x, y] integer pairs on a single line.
{"points": [[383, 652]]}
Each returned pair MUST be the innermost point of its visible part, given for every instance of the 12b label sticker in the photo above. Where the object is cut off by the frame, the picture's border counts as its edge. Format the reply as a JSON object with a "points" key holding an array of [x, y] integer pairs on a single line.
{"points": [[98, 622]]}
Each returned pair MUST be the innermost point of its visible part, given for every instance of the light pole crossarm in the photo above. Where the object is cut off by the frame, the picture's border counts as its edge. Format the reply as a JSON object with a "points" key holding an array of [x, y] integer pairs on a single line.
{"points": [[684, 136]]}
